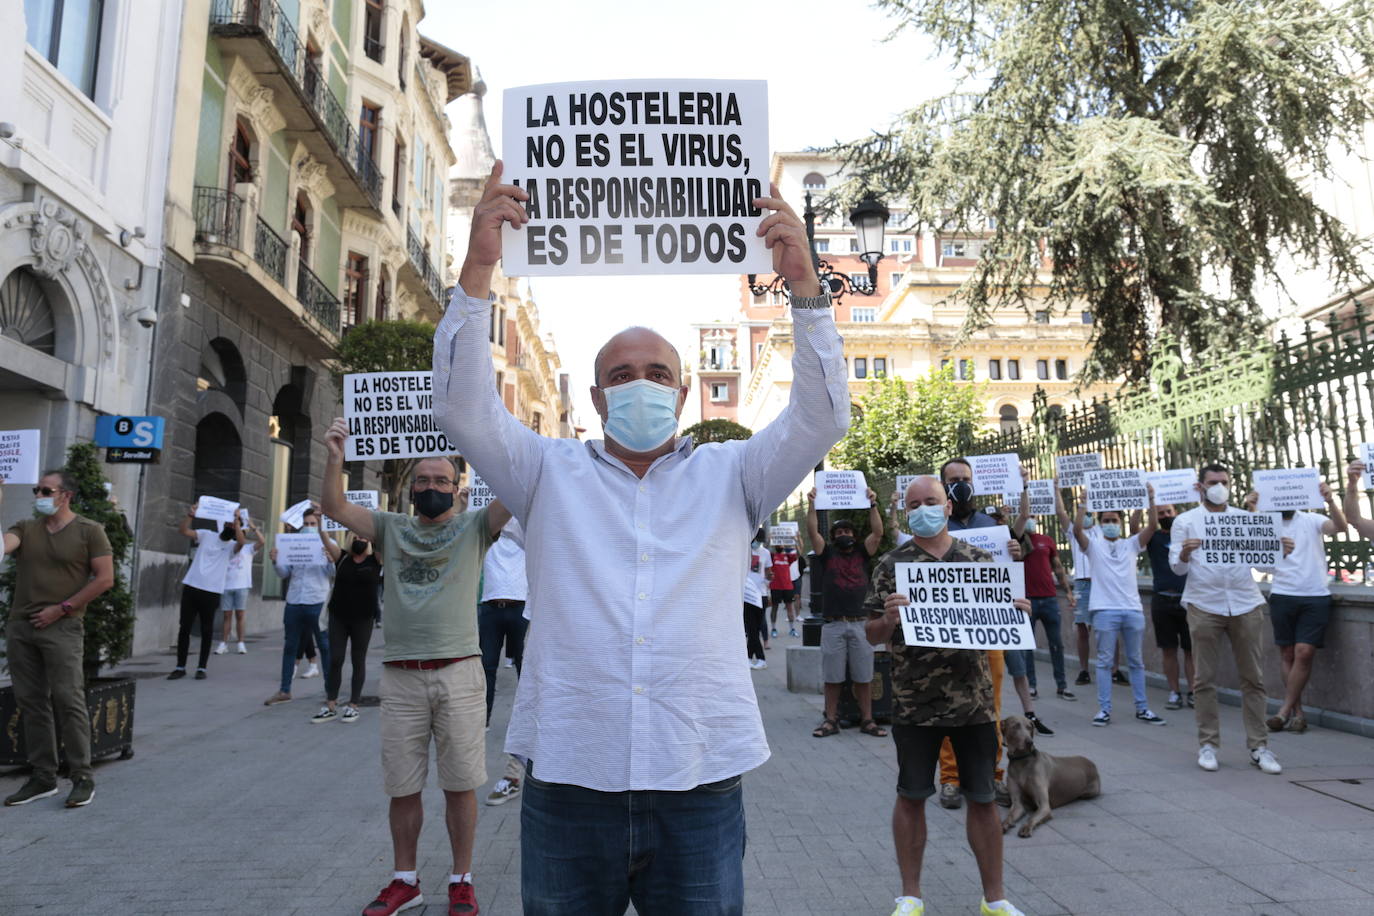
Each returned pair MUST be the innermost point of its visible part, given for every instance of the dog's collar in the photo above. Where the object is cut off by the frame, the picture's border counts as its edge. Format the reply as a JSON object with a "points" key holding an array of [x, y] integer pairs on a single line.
{"points": [[1030, 753]]}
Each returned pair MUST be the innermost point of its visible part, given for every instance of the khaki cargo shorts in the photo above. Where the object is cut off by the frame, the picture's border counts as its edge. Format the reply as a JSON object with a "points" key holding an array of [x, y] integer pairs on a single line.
{"points": [[447, 704]]}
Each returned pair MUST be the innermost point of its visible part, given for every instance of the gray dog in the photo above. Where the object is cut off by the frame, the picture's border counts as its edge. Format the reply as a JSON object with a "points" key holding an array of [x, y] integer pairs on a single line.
{"points": [[1038, 781]]}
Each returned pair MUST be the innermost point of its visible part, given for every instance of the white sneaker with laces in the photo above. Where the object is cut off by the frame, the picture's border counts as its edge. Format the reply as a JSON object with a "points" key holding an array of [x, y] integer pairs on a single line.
{"points": [[324, 715], [1264, 758], [350, 714], [314, 671], [761, 664], [221, 649], [243, 650], [1207, 758], [504, 790], [1000, 908]]}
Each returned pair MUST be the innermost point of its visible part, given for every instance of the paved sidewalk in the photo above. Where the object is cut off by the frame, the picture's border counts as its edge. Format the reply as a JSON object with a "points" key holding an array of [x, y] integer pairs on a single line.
{"points": [[233, 807]]}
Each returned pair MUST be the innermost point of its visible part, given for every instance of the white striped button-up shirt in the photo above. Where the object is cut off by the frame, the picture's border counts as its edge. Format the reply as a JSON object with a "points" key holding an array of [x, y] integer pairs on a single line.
{"points": [[635, 675]]}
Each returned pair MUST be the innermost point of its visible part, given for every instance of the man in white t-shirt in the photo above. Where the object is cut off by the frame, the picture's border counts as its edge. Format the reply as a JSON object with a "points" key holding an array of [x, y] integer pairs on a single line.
{"points": [[1300, 602], [203, 586], [238, 583], [1115, 603]]}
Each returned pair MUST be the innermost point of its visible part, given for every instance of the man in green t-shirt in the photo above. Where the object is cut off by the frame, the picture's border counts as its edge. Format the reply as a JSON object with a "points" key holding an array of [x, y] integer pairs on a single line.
{"points": [[62, 562], [433, 685]]}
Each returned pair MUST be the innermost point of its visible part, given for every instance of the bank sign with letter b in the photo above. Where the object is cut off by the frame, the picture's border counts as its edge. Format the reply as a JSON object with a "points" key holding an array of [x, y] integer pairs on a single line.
{"points": [[130, 440]]}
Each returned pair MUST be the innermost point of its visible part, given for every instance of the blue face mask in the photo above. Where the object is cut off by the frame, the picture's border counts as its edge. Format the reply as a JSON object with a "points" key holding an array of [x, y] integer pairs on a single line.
{"points": [[1030, 526], [640, 415], [1111, 530], [926, 521]]}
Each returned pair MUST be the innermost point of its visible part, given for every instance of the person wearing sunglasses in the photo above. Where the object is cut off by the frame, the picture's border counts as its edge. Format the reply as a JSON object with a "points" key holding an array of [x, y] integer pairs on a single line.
{"points": [[62, 562]]}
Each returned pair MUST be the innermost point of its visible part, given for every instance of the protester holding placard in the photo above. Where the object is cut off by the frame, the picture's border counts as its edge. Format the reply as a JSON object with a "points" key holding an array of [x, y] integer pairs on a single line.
{"points": [[938, 695], [1166, 611], [782, 589], [62, 562], [654, 593], [1222, 599], [352, 608], [1355, 476], [306, 593], [1116, 608], [842, 563], [1082, 584], [202, 588], [755, 587], [238, 583], [1300, 602]]}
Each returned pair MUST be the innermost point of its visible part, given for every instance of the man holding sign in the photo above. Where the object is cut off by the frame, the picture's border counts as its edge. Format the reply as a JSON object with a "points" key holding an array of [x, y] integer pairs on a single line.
{"points": [[937, 694], [624, 747], [1211, 547], [306, 562], [202, 588]]}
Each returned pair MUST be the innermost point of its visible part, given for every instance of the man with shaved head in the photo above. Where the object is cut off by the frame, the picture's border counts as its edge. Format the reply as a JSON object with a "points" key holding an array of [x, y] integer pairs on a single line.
{"points": [[635, 706]]}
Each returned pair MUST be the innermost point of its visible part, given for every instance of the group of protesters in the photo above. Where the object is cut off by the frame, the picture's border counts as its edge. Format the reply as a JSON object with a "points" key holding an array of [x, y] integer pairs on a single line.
{"points": [[635, 718]]}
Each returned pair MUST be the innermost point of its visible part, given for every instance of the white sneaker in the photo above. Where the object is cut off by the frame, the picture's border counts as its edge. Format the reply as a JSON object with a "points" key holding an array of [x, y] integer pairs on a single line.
{"points": [[1000, 908], [504, 790], [221, 649], [508, 663], [243, 650], [1264, 758], [350, 714], [313, 672], [1207, 758], [761, 664]]}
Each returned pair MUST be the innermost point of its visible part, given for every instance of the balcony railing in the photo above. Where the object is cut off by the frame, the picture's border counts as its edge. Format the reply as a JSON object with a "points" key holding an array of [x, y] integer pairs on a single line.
{"points": [[373, 48], [317, 299], [419, 259], [265, 18], [219, 214], [271, 252]]}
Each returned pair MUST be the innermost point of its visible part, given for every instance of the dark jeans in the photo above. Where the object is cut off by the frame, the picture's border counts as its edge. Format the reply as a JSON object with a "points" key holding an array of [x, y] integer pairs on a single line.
{"points": [[298, 619], [1046, 612], [306, 649], [345, 630], [753, 624], [589, 853], [45, 666], [196, 603], [498, 624]]}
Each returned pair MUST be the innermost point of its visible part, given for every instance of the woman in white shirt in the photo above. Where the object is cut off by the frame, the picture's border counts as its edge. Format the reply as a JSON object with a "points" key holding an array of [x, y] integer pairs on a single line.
{"points": [[238, 583], [1115, 604]]}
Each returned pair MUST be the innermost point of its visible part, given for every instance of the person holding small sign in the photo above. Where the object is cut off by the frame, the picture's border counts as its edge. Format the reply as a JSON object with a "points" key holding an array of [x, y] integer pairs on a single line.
{"points": [[938, 695], [1355, 474], [307, 590], [1222, 599], [1300, 601], [238, 583], [1116, 609], [202, 589], [623, 747]]}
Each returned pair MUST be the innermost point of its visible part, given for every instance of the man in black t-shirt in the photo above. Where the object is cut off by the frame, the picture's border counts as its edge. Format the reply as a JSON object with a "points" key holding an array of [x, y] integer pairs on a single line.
{"points": [[842, 565]]}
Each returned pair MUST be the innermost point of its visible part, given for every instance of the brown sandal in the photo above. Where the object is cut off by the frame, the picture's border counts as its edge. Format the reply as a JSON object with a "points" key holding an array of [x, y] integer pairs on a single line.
{"points": [[869, 727], [827, 728]]}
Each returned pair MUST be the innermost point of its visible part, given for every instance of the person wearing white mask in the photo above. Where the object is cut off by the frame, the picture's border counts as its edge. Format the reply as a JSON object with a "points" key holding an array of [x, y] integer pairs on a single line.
{"points": [[1222, 600], [636, 707]]}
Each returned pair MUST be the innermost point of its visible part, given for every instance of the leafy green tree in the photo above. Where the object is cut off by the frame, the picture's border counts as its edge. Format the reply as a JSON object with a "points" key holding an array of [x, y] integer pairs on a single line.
{"points": [[1159, 154], [717, 430], [388, 346]]}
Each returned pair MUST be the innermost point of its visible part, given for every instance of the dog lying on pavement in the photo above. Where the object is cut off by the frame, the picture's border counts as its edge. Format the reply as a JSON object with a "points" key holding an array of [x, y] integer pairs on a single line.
{"points": [[1038, 781]]}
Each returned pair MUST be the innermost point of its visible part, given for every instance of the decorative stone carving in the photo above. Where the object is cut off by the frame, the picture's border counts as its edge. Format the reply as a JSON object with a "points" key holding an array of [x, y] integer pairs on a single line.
{"points": [[313, 176], [319, 19], [58, 238]]}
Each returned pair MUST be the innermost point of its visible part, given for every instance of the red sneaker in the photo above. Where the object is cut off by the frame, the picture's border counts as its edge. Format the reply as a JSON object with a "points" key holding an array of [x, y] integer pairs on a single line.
{"points": [[462, 899], [395, 897]]}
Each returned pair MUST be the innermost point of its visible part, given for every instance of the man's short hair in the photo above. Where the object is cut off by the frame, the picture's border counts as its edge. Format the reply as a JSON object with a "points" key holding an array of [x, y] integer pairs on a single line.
{"points": [[67, 480], [453, 466], [962, 461], [842, 524], [1213, 469]]}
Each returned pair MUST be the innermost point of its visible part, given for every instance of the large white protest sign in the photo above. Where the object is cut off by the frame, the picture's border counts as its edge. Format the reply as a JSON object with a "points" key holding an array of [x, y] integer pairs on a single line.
{"points": [[1366, 454], [1240, 539], [300, 550], [637, 177], [295, 515], [993, 539], [1173, 486], [964, 605], [996, 474], [841, 490], [1070, 469], [1288, 489], [779, 536], [1041, 498], [216, 510], [479, 494], [1122, 490], [19, 456], [390, 415], [365, 498], [904, 481]]}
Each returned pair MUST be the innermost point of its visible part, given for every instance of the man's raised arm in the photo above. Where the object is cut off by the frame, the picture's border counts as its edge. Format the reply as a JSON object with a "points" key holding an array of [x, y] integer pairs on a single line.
{"points": [[467, 406]]}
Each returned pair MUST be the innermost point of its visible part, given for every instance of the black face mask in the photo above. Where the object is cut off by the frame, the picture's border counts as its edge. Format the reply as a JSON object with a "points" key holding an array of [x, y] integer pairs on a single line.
{"points": [[431, 503], [1167, 522], [845, 542], [226, 535], [960, 491], [1288, 515], [358, 546]]}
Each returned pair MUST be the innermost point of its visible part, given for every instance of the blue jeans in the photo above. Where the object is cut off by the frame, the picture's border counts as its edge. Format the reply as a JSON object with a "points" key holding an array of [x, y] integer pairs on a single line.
{"points": [[1130, 624], [298, 620], [589, 853], [1046, 611], [498, 625]]}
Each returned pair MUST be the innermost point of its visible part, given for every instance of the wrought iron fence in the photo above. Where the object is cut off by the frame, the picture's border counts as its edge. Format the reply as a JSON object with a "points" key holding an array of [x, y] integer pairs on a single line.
{"points": [[316, 298], [1306, 401], [271, 252], [219, 214], [419, 259]]}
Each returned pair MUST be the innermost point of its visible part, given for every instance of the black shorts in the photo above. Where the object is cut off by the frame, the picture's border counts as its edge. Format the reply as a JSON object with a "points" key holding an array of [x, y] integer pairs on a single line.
{"points": [[1171, 623], [1298, 618], [918, 753], [782, 594]]}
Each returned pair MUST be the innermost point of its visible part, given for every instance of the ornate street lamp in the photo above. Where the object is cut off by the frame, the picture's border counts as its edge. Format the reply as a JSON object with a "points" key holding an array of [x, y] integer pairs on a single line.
{"points": [[870, 222]]}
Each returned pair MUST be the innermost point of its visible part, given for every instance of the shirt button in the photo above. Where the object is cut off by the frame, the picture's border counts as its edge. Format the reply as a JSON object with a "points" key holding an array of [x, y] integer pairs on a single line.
{"points": [[638, 689], [639, 525], [639, 640], [644, 557], [641, 488], [643, 595], [811, 327]]}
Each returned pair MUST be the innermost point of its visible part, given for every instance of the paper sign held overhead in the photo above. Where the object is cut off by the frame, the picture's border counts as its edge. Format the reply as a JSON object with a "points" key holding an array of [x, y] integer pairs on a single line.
{"points": [[215, 509], [904, 481], [1240, 539], [1173, 486], [1070, 469], [390, 415], [19, 456], [479, 494], [841, 490], [1366, 454], [365, 498], [993, 539], [996, 474], [1122, 490], [637, 177], [964, 605], [1041, 498], [780, 536], [300, 550], [295, 516], [1290, 489]]}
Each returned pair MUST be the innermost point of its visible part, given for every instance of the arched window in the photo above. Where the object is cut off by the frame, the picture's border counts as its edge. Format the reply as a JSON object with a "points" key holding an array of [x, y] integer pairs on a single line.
{"points": [[26, 315], [240, 155], [814, 181], [1009, 418], [300, 226], [221, 369], [218, 457]]}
